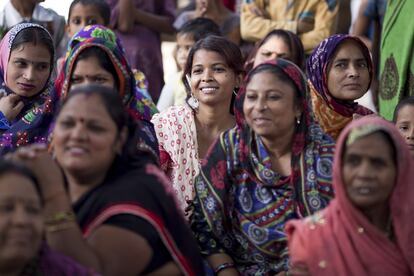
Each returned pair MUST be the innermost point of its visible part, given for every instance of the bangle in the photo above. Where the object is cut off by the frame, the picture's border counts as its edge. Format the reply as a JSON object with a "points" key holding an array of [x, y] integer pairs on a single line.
{"points": [[60, 217], [59, 227], [222, 267]]}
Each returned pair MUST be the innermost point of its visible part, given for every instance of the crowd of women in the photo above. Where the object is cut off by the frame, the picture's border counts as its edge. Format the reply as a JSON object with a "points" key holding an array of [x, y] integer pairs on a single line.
{"points": [[262, 171]]}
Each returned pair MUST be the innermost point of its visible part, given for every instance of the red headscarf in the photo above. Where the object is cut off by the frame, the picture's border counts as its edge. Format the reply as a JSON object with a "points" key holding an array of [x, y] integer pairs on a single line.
{"points": [[341, 241]]}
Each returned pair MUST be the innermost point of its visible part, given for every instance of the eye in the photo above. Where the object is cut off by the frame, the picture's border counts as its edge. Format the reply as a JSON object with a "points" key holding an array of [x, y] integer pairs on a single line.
{"points": [[251, 96], [96, 128], [352, 161], [362, 64], [6, 208], [274, 97], [340, 65], [76, 21], [34, 210], [378, 163], [43, 66], [266, 54], [403, 128], [20, 63], [197, 71], [92, 21], [219, 69], [66, 123], [76, 80]]}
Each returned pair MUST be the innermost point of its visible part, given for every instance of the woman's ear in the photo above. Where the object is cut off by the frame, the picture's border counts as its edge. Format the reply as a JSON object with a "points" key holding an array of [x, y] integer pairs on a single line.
{"points": [[121, 140], [239, 80]]}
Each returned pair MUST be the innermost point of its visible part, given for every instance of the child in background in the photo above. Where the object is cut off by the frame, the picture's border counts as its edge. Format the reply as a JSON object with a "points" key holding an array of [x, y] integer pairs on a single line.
{"points": [[83, 13], [173, 92], [404, 121]]}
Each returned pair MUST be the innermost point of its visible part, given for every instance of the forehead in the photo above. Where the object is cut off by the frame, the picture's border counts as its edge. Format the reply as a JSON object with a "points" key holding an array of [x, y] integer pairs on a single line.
{"points": [[204, 56], [185, 38], [90, 65], [348, 48], [406, 113], [16, 185], [375, 145], [266, 80], [87, 107], [275, 42], [80, 9], [32, 52]]}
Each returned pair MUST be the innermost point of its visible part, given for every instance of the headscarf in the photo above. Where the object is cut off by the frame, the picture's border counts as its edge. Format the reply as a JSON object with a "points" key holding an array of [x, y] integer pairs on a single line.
{"points": [[341, 240], [332, 114], [132, 85], [245, 203], [32, 124]]}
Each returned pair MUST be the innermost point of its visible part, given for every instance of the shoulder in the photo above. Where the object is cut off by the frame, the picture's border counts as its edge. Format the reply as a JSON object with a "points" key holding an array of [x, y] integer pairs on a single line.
{"points": [[300, 231]]}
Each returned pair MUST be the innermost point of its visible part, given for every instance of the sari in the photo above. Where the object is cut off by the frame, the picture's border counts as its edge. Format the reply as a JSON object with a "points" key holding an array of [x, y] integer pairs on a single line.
{"points": [[132, 84], [242, 205], [32, 123], [331, 113], [340, 240], [397, 56]]}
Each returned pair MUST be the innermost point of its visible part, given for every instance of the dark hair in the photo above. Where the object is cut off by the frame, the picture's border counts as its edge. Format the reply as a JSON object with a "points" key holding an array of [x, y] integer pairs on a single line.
{"points": [[104, 61], [227, 49], [200, 28], [290, 39], [103, 8], [37, 36], [113, 105], [404, 102], [279, 74], [7, 166]]}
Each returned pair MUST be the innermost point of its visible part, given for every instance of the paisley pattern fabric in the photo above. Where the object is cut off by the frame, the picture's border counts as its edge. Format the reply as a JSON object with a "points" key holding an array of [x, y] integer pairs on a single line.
{"points": [[332, 114], [32, 123], [242, 204]]}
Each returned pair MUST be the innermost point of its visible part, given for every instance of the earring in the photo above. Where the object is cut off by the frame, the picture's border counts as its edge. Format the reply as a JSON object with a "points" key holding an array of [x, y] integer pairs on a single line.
{"points": [[298, 120], [234, 91], [193, 102]]}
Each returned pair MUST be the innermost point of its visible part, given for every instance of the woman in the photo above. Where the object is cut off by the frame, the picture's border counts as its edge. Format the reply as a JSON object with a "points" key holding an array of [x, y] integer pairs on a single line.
{"points": [[95, 55], [277, 44], [26, 64], [22, 226], [116, 199], [275, 165], [404, 121], [228, 21], [340, 72], [214, 70], [367, 229]]}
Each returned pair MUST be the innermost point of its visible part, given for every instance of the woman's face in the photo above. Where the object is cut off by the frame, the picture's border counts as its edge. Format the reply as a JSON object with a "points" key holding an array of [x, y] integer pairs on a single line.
{"points": [[369, 171], [405, 124], [90, 71], [21, 221], [85, 137], [348, 75], [274, 47], [212, 80], [269, 106], [28, 69]]}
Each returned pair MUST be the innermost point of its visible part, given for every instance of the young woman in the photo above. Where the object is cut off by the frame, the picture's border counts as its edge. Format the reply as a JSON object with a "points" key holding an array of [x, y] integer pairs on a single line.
{"points": [[340, 72], [212, 75], [367, 229], [275, 165], [118, 212], [26, 65]]}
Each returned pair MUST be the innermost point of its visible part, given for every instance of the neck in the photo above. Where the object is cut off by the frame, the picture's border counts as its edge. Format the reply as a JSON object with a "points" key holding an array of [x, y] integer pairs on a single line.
{"points": [[81, 184], [214, 119], [24, 8], [379, 217], [281, 145]]}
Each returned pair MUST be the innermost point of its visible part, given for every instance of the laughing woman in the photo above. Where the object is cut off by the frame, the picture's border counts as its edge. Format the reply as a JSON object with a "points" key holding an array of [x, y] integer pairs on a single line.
{"points": [[340, 72], [214, 70], [26, 63]]}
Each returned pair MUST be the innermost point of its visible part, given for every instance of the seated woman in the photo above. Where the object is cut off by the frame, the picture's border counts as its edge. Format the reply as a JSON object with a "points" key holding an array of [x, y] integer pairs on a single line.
{"points": [[340, 72], [118, 214], [96, 55], [275, 165], [404, 120], [22, 251], [214, 70], [367, 229], [277, 44], [26, 64]]}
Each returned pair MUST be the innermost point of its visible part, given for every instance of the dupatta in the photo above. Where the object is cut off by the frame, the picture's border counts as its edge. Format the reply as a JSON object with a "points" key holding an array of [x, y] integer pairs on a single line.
{"points": [[340, 240]]}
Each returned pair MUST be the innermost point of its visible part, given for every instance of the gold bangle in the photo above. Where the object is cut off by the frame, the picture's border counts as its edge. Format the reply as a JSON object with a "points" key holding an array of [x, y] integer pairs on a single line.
{"points": [[59, 227], [60, 217]]}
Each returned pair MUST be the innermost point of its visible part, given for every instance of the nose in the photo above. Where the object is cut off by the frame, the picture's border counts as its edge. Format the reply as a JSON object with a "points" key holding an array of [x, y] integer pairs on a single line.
{"points": [[366, 170], [410, 134], [207, 75], [20, 216], [261, 104], [79, 131], [353, 71], [28, 74]]}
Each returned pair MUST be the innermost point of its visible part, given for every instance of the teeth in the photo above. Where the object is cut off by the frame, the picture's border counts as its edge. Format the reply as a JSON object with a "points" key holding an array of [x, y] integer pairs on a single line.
{"points": [[208, 89], [364, 190]]}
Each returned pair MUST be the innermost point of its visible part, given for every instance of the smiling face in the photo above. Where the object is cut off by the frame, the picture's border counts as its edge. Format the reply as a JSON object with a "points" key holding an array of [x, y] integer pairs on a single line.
{"points": [[348, 76], [88, 71], [274, 47], [81, 16], [85, 137], [269, 106], [21, 221], [369, 174], [405, 125], [28, 69], [212, 81]]}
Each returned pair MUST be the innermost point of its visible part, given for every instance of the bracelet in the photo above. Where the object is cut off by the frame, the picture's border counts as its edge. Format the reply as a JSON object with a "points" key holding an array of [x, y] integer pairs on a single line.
{"points": [[60, 217], [222, 267], [59, 227]]}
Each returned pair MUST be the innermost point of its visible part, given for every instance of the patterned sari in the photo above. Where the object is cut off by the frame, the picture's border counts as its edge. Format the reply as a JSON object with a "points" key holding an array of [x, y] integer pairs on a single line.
{"points": [[32, 123], [132, 84], [242, 205], [332, 114]]}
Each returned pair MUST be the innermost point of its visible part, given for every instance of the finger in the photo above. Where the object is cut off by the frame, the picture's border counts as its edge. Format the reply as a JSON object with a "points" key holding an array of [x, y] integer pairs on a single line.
{"points": [[13, 98], [18, 107], [25, 153]]}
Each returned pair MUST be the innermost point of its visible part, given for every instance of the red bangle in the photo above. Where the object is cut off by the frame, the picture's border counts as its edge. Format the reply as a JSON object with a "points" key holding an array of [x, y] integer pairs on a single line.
{"points": [[222, 267]]}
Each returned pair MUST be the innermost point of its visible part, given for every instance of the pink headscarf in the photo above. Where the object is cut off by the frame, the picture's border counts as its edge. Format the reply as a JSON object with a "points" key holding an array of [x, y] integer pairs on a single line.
{"points": [[341, 241]]}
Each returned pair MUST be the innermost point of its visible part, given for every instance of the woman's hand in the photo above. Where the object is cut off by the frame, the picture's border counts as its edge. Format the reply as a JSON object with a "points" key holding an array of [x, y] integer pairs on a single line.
{"points": [[10, 106], [201, 9]]}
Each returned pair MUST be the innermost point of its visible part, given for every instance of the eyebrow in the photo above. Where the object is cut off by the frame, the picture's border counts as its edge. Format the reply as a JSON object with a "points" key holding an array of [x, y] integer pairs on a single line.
{"points": [[348, 59], [30, 61]]}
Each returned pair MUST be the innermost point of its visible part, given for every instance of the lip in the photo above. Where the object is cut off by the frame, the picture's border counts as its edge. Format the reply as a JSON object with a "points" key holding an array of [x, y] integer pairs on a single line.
{"points": [[76, 150], [25, 86], [353, 86], [208, 89], [261, 121]]}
